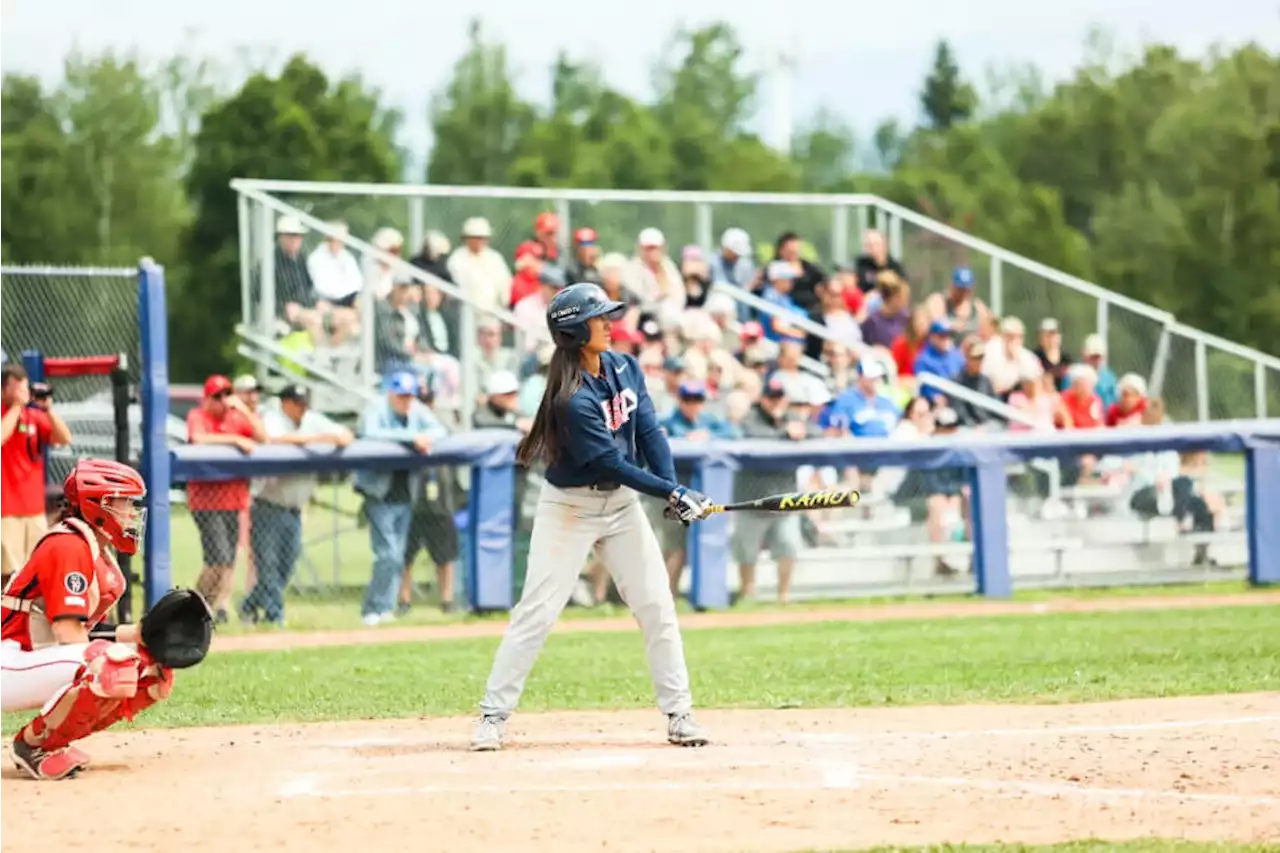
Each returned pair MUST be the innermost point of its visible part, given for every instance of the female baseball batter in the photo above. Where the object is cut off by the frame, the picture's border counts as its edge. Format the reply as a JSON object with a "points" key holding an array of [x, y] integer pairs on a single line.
{"points": [[595, 422], [50, 608]]}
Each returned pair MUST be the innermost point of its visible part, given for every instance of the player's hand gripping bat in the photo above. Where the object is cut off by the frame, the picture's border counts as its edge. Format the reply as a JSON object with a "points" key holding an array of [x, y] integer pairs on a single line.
{"points": [[792, 502]]}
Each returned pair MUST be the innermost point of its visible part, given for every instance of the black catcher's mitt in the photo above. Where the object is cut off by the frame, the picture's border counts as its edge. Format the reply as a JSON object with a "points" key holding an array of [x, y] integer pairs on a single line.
{"points": [[178, 629]]}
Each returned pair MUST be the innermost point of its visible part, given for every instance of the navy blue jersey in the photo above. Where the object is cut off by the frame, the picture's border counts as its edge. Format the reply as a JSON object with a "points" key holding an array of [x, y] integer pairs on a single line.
{"points": [[613, 431]]}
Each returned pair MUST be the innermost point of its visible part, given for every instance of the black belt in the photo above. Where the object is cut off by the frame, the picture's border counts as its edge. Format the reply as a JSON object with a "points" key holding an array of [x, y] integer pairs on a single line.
{"points": [[605, 487]]}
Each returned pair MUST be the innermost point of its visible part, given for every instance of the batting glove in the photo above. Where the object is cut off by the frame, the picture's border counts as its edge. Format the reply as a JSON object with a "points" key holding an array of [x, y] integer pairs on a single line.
{"points": [[685, 505]]}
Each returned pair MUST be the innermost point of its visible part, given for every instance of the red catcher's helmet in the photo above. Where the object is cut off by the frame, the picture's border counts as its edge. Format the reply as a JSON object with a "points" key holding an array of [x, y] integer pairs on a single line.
{"points": [[94, 482]]}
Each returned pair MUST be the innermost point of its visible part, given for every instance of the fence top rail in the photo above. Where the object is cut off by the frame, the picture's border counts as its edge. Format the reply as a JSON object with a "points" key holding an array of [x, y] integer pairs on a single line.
{"points": [[1215, 342], [547, 193], [495, 448], [44, 269]]}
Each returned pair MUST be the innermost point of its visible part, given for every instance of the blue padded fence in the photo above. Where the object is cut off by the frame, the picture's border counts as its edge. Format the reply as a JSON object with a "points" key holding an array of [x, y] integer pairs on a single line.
{"points": [[491, 523]]}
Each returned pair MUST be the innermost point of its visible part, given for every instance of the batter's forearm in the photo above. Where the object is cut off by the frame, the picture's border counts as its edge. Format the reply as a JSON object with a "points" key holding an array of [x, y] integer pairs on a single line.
{"points": [[637, 478]]}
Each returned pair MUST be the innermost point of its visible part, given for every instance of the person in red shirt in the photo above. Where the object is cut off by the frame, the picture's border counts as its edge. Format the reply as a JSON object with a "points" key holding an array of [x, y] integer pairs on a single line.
{"points": [[55, 651], [906, 346], [27, 431], [222, 418], [528, 277], [1127, 411], [1083, 405], [546, 233]]}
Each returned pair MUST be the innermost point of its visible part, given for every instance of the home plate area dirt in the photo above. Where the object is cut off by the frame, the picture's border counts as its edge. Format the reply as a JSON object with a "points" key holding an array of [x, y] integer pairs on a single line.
{"points": [[1201, 768]]}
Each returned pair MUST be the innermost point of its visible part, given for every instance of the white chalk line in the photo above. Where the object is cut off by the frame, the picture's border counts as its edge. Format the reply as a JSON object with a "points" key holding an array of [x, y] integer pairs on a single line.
{"points": [[832, 778], [778, 738]]}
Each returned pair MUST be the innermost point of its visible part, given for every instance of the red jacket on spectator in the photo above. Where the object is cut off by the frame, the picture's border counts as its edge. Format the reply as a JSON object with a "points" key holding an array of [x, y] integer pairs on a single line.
{"points": [[1085, 412], [853, 299], [904, 355], [1116, 416], [528, 269]]}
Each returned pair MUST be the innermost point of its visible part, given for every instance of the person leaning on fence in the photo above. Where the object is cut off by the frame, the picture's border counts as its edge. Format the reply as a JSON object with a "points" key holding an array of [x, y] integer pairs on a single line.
{"points": [[755, 531], [276, 511], [947, 495], [29, 426], [388, 495], [433, 528], [222, 418]]}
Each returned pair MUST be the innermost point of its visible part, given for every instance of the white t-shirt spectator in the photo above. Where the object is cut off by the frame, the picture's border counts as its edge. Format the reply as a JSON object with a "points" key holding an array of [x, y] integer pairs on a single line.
{"points": [[483, 275], [1004, 371], [334, 276]]}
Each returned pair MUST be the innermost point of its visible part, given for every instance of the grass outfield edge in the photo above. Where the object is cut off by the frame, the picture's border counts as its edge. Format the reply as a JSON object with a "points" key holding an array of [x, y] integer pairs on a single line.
{"points": [[279, 640]]}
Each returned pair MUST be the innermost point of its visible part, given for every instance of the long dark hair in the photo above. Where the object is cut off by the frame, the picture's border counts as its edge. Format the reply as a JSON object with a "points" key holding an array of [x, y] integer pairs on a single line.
{"points": [[549, 434]]}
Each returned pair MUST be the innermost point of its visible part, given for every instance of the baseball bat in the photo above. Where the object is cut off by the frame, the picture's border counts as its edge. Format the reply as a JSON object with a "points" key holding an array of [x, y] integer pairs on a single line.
{"points": [[792, 502]]}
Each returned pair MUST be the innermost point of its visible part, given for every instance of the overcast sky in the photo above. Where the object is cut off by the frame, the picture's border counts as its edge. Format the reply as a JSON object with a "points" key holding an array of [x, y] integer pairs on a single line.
{"points": [[863, 60]]}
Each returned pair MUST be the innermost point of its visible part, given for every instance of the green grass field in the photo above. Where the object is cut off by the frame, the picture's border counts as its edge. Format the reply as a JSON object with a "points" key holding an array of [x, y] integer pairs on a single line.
{"points": [[1050, 658]]}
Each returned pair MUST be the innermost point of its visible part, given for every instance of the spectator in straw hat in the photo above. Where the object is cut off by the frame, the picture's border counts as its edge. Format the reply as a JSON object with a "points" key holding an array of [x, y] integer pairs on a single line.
{"points": [[479, 269], [295, 302]]}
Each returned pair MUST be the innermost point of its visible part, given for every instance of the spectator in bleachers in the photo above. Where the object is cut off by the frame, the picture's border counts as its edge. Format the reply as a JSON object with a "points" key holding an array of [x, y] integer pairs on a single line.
{"points": [[947, 490], [735, 263], [479, 269], [611, 268], [28, 429], [971, 415], [959, 305], [1083, 406], [389, 495], [586, 256], [1094, 353], [864, 410], [696, 275], [335, 274], [874, 261], [833, 312], [490, 355], [840, 363], [1128, 409], [723, 311], [398, 334], [278, 502], [800, 384], [664, 394], [533, 385], [433, 255], [216, 506], [624, 339], [653, 277], [806, 276], [1052, 357], [888, 319], [988, 328], [916, 422], [938, 357], [1008, 363], [501, 407], [531, 311], [546, 233], [779, 533], [295, 294], [779, 285], [907, 345], [379, 277], [530, 264], [855, 301], [1038, 399]]}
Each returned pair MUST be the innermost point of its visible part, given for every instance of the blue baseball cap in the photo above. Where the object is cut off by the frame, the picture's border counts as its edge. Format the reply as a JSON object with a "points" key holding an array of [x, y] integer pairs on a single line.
{"points": [[939, 327], [403, 383], [693, 391], [962, 277]]}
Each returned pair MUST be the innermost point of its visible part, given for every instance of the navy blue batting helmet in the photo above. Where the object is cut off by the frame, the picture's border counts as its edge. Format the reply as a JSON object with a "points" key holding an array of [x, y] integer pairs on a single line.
{"points": [[571, 308]]}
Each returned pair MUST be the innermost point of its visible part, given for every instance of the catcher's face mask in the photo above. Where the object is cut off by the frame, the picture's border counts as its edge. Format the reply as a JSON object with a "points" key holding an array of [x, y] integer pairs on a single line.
{"points": [[130, 520]]}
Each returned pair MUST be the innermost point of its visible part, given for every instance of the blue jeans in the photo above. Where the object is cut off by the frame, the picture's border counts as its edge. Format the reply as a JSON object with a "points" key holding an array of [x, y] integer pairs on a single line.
{"points": [[275, 536], [388, 534]]}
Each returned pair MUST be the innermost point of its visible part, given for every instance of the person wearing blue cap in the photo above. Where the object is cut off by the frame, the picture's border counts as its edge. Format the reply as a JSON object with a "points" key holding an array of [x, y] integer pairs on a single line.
{"points": [[938, 356], [402, 418], [960, 305], [690, 420]]}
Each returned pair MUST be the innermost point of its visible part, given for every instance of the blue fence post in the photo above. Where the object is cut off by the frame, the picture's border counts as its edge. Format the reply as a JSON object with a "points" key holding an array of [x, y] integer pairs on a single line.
{"points": [[491, 544], [153, 321], [1262, 496], [708, 547], [988, 501]]}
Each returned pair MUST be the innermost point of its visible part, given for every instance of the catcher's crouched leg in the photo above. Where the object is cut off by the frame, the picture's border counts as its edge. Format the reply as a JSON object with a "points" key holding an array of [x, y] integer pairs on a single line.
{"points": [[116, 682]]}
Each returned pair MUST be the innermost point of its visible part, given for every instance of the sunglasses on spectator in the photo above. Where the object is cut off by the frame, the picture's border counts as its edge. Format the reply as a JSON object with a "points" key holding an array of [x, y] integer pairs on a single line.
{"points": [[222, 395]]}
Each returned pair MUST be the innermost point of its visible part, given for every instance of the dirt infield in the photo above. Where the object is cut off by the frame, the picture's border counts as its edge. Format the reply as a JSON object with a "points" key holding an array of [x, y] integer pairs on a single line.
{"points": [[744, 619], [1200, 768]]}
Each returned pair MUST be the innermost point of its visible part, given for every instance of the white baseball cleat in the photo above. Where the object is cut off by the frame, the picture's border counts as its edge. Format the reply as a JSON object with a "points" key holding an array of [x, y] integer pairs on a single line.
{"points": [[488, 735], [683, 730]]}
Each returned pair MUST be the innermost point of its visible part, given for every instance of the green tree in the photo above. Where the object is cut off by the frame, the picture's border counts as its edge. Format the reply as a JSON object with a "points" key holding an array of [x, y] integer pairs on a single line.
{"points": [[824, 154], [478, 122], [946, 98], [299, 126]]}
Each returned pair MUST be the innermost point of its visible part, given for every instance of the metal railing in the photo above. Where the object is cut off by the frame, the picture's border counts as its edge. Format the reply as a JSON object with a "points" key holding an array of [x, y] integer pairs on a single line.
{"points": [[1200, 376]]}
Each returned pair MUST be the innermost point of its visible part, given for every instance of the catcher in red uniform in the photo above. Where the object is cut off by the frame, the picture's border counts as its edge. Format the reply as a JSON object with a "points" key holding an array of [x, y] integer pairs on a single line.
{"points": [[56, 652]]}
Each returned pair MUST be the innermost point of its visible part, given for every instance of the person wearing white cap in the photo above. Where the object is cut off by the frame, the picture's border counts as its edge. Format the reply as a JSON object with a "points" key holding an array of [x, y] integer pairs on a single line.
{"points": [[378, 275], [734, 265], [654, 277], [1094, 353], [479, 269], [334, 271], [1007, 361], [863, 410], [295, 297], [501, 406]]}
